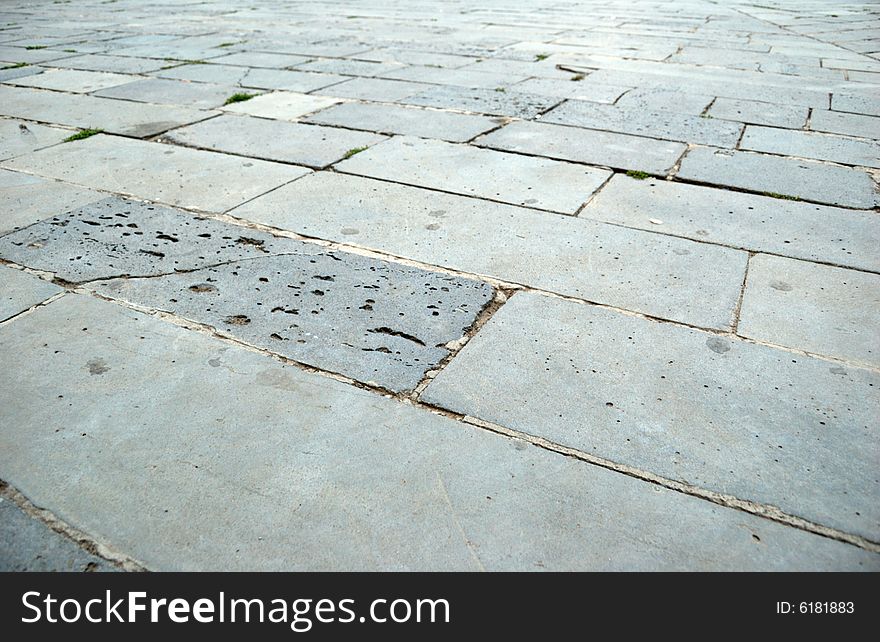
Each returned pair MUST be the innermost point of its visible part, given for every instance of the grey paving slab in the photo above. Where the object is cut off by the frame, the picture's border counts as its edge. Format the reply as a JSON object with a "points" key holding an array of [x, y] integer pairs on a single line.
{"points": [[77, 81], [485, 101], [657, 275], [456, 77], [839, 149], [757, 113], [373, 321], [409, 121], [26, 199], [20, 291], [756, 223], [820, 309], [31, 56], [350, 67], [856, 102], [810, 180], [656, 124], [281, 105], [166, 173], [166, 91], [261, 59], [297, 493], [510, 178], [205, 72], [378, 89], [118, 117], [653, 99], [835, 122], [586, 146], [120, 237], [289, 80], [738, 418], [27, 544], [580, 89], [275, 140], [114, 64], [17, 137], [11, 72]]}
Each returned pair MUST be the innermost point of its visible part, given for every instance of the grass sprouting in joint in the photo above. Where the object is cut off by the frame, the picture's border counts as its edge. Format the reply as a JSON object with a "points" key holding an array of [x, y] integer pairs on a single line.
{"points": [[83, 133]]}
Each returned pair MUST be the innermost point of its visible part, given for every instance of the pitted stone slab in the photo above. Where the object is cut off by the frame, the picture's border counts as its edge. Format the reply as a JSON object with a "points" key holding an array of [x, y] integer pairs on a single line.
{"points": [[585, 146], [27, 544], [820, 309], [811, 180], [658, 124], [76, 110], [735, 417], [750, 221], [116, 237], [485, 101], [374, 321], [20, 290], [276, 140], [173, 175], [294, 471], [511, 178]]}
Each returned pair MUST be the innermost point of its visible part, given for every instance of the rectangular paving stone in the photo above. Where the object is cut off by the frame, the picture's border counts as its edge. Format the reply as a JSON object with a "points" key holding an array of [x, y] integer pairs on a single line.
{"points": [[409, 121], [114, 116], [31, 56], [456, 77], [17, 137], [749, 221], [296, 493], [758, 113], [378, 89], [374, 321], [350, 67], [26, 199], [521, 180], [77, 81], [281, 105], [20, 291], [205, 72], [838, 149], [260, 59], [657, 124], [820, 309], [657, 275], [289, 80], [653, 99], [730, 416], [165, 91], [29, 545], [12, 72], [173, 175], [855, 102], [836, 122], [118, 237], [585, 146], [581, 90], [109, 63], [275, 140], [485, 101], [810, 180]]}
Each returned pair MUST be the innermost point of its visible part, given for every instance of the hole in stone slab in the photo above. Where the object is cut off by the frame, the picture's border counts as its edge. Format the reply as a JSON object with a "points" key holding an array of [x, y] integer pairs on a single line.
{"points": [[237, 319]]}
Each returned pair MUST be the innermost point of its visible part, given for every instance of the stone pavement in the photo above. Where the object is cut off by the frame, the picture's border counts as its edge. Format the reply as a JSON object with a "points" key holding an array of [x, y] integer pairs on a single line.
{"points": [[436, 285]]}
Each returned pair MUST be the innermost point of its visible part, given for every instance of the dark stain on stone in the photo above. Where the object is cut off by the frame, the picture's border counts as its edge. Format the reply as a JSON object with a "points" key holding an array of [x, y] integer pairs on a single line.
{"points": [[97, 366], [717, 344]]}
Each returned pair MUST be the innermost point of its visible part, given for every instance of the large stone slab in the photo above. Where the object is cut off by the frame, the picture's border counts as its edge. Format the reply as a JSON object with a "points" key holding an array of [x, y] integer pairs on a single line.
{"points": [[456, 77], [275, 140], [652, 99], [376, 322], [114, 64], [508, 102], [585, 146], [656, 124], [281, 105], [166, 91], [114, 116], [848, 124], [579, 89], [81, 82], [313, 474], [510, 178], [695, 283], [816, 308], [849, 151], [758, 113], [26, 199], [172, 175], [27, 544], [374, 89], [738, 418], [749, 221], [20, 290], [17, 137], [119, 237], [805, 179], [409, 121]]}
